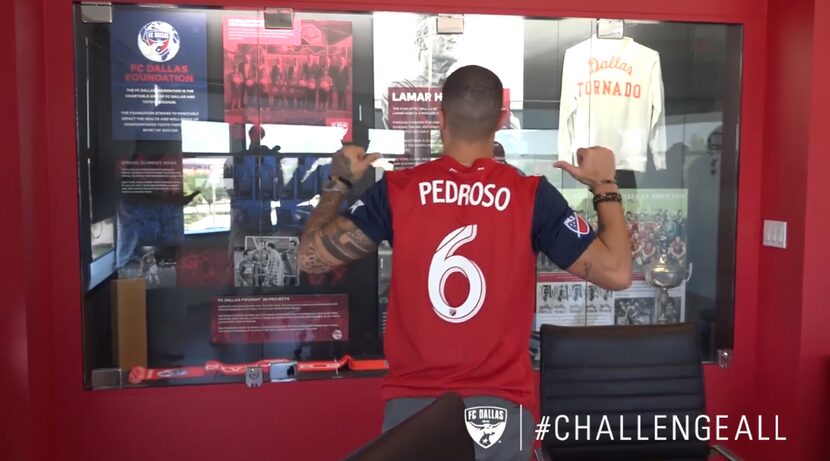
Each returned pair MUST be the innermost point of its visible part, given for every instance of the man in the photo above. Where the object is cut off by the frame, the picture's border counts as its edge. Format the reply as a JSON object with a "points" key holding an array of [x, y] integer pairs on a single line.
{"points": [[260, 258], [245, 269], [275, 272], [648, 250], [546, 292], [341, 77], [149, 267], [466, 231], [276, 84], [680, 223], [677, 250]]}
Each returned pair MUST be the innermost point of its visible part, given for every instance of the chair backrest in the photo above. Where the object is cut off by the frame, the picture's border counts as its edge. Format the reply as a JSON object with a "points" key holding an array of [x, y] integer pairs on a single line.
{"points": [[588, 373], [436, 433]]}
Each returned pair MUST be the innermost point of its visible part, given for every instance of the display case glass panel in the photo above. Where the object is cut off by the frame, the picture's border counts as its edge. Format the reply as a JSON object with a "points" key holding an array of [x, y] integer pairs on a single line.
{"points": [[205, 138], [664, 96]]}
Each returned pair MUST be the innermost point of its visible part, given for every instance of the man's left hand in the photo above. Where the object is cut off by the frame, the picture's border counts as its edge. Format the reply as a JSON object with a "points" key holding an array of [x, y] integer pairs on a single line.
{"points": [[351, 162]]}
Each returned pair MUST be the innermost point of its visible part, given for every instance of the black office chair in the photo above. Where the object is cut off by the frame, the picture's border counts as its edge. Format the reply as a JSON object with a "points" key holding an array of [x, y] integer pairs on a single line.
{"points": [[621, 372], [436, 433]]}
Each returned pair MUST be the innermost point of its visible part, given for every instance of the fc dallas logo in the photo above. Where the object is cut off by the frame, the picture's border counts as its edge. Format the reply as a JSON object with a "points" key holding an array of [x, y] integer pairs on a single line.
{"points": [[577, 225]]}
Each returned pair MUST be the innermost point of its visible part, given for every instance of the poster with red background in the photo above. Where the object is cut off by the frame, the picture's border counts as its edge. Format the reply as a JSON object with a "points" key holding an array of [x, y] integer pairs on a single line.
{"points": [[280, 318], [298, 76]]}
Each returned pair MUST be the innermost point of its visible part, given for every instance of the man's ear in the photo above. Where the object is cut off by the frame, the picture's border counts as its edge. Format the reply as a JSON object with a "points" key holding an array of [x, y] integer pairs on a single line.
{"points": [[442, 119], [504, 119]]}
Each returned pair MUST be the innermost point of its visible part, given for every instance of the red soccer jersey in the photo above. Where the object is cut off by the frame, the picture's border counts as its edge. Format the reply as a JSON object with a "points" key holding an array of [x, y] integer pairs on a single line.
{"points": [[462, 296]]}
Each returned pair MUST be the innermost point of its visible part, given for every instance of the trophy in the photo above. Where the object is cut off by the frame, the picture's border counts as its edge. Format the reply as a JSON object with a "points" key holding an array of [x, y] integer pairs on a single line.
{"points": [[665, 273]]}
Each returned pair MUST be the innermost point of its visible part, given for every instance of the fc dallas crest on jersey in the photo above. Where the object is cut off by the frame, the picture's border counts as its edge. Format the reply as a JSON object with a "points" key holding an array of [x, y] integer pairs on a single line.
{"points": [[577, 225]]}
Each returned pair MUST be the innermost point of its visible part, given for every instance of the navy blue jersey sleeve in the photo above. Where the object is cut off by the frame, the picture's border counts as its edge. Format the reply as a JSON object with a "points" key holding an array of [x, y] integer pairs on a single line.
{"points": [[371, 213], [558, 232]]}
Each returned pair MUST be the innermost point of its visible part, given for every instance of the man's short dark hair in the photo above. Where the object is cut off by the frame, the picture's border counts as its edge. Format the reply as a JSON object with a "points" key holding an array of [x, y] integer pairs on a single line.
{"points": [[471, 100], [256, 132]]}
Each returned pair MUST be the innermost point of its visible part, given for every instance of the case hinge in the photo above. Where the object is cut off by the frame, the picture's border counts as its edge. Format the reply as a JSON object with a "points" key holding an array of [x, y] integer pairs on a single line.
{"points": [[96, 12], [724, 358], [279, 18]]}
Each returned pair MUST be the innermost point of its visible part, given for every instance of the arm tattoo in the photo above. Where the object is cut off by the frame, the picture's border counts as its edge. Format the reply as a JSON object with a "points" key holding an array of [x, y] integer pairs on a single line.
{"points": [[330, 240], [324, 212], [587, 272], [342, 167]]}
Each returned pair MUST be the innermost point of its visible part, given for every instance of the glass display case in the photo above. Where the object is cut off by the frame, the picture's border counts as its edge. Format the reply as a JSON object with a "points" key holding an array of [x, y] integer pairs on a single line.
{"points": [[205, 136]]}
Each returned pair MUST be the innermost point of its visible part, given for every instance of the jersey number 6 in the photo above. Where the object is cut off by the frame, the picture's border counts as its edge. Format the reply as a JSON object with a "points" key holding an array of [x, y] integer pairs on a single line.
{"points": [[445, 263]]}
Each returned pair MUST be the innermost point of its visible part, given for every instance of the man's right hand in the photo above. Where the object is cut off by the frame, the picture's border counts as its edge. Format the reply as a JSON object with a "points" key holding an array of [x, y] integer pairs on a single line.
{"points": [[596, 166]]}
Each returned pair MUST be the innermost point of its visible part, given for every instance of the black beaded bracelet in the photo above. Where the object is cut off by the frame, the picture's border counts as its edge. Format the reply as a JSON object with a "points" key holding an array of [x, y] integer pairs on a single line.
{"points": [[607, 197], [603, 182]]}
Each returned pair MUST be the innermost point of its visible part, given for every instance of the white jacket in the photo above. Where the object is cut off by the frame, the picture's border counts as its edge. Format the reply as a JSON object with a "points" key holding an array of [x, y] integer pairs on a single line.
{"points": [[612, 96]]}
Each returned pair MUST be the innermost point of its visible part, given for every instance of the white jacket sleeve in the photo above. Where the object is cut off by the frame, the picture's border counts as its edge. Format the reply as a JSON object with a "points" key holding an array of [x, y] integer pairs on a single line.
{"points": [[567, 110], [657, 131]]}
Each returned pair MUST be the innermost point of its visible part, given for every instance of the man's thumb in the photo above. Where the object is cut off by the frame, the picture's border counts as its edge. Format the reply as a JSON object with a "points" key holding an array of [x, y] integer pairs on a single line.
{"points": [[566, 166]]}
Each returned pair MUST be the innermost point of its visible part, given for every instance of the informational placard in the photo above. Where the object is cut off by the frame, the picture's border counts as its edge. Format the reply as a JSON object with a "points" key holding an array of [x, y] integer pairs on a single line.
{"points": [[252, 30], [145, 177], [149, 218], [414, 111], [280, 318], [158, 72], [301, 76], [412, 61]]}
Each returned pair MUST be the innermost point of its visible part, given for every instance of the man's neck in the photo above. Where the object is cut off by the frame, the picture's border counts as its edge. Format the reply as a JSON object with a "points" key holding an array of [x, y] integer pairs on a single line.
{"points": [[467, 153]]}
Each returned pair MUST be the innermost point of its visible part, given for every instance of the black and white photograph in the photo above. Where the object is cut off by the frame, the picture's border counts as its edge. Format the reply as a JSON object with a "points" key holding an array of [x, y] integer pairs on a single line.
{"points": [[413, 59], [546, 298], [598, 302], [560, 301], [267, 261], [635, 311], [410, 53], [672, 313], [576, 298], [156, 265]]}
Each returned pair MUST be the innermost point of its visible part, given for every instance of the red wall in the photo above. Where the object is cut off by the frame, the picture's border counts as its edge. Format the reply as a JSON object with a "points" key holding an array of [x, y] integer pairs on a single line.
{"points": [[814, 372], [775, 338], [15, 428], [793, 367], [26, 386], [787, 119]]}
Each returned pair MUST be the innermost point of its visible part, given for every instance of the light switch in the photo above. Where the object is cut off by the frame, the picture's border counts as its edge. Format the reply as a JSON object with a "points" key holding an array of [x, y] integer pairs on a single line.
{"points": [[775, 234]]}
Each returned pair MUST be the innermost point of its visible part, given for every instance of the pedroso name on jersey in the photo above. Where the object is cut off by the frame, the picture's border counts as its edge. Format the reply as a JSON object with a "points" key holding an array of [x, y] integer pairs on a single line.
{"points": [[475, 194]]}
